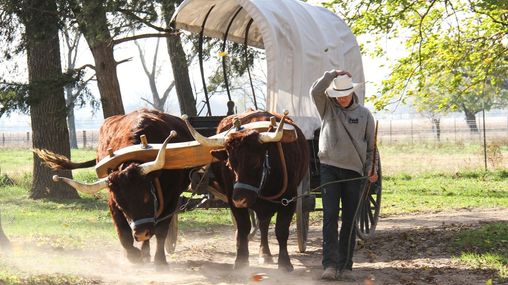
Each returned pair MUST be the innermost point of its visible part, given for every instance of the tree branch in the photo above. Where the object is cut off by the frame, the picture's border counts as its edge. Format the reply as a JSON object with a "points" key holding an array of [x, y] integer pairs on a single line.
{"points": [[142, 58], [85, 66], [133, 15], [149, 103], [123, 61], [143, 36]]}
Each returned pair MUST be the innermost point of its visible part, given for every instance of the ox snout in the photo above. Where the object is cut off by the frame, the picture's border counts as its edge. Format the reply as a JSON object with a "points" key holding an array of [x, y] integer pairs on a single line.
{"points": [[142, 234], [244, 198]]}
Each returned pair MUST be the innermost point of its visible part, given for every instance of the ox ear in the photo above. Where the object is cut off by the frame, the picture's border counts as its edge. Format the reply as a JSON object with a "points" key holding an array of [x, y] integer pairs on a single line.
{"points": [[220, 154]]}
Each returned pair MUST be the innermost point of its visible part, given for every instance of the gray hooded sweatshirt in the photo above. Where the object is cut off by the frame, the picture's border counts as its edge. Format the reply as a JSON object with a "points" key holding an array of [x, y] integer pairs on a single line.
{"points": [[346, 139]]}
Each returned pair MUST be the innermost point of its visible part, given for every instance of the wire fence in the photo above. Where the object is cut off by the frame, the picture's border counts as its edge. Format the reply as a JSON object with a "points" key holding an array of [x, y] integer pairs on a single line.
{"points": [[407, 131], [87, 139], [407, 145], [449, 130]]}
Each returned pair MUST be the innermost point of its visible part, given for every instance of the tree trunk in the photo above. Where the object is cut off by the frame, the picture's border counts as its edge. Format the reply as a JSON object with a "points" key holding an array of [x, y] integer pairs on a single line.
{"points": [[46, 93], [73, 141], [107, 80], [181, 76], [179, 66], [4, 241], [93, 24], [471, 121]]}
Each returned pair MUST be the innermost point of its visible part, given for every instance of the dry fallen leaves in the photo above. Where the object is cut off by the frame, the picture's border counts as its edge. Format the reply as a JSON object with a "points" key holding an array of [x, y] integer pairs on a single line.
{"points": [[257, 277]]}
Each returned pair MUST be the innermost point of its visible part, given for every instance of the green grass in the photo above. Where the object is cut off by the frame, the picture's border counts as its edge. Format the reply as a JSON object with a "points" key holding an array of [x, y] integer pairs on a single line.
{"points": [[17, 164], [485, 247], [406, 193], [18, 277], [72, 223]]}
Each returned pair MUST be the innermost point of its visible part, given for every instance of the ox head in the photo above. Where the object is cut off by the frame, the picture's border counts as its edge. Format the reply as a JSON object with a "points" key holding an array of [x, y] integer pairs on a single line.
{"points": [[132, 192], [245, 152]]}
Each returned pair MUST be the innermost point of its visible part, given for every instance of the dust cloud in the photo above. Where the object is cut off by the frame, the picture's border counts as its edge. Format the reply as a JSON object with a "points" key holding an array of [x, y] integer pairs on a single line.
{"points": [[206, 256]]}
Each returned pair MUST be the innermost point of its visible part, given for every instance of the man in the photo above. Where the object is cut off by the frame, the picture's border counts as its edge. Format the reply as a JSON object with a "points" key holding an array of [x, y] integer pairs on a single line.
{"points": [[346, 148]]}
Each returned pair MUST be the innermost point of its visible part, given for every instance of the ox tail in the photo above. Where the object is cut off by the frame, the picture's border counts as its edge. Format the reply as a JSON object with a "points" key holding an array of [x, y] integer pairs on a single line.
{"points": [[57, 161]]}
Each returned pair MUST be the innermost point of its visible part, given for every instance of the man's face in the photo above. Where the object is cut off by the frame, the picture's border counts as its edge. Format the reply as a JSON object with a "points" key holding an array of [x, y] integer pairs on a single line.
{"points": [[344, 101]]}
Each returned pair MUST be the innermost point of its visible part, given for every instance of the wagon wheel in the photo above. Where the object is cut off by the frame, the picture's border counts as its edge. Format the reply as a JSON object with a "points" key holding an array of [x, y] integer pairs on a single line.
{"points": [[170, 243], [370, 207], [302, 214]]}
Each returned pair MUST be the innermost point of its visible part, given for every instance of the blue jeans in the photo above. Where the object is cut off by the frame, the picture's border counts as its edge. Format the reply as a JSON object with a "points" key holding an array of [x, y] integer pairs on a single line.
{"points": [[338, 249]]}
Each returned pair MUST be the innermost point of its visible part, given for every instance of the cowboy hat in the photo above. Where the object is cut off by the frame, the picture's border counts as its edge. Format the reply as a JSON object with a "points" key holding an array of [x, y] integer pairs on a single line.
{"points": [[341, 86]]}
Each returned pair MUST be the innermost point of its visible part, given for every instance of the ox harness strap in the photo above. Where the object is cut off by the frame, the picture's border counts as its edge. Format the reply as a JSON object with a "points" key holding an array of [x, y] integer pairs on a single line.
{"points": [[157, 211], [264, 175]]}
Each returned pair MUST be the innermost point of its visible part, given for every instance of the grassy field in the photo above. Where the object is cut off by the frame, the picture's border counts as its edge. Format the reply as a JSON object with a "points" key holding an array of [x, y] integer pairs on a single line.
{"points": [[415, 179]]}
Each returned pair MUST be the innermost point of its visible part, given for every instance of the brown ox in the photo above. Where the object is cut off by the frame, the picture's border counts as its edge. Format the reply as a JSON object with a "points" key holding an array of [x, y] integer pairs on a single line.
{"points": [[251, 173], [137, 208]]}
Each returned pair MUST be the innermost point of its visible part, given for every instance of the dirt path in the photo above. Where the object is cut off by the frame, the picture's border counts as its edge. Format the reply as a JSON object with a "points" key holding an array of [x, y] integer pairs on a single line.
{"points": [[411, 249]]}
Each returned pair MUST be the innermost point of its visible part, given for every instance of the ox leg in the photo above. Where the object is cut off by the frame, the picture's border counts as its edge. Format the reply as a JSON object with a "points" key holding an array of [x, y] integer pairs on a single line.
{"points": [[161, 232], [243, 226], [284, 216], [125, 235], [145, 251], [265, 256]]}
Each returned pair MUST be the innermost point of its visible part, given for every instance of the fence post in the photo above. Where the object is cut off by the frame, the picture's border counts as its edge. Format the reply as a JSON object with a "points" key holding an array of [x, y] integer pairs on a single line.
{"points": [[484, 139], [390, 131], [84, 139], [27, 138], [3, 139], [455, 128], [412, 142]]}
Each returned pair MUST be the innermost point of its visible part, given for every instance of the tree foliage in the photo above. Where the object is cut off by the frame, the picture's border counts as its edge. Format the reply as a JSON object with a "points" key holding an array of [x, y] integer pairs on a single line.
{"points": [[456, 50]]}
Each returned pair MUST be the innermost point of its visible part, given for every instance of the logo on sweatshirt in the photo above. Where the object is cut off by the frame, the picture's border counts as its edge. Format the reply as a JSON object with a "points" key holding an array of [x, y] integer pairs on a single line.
{"points": [[353, 120]]}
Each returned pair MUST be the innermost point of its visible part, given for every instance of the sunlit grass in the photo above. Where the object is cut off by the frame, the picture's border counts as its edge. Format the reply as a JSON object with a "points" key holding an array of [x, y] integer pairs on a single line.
{"points": [[405, 193], [11, 276], [484, 248]]}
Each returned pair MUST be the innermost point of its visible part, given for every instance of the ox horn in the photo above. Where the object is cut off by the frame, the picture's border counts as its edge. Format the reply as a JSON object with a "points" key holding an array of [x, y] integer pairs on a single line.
{"points": [[159, 162], [84, 187], [266, 137], [215, 142]]}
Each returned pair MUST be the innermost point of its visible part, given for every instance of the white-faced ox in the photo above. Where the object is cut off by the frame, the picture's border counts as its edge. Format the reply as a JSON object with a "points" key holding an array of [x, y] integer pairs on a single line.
{"points": [[257, 170], [142, 195]]}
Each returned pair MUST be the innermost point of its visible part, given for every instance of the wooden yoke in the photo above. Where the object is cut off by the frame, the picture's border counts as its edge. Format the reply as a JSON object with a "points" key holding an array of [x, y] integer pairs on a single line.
{"points": [[178, 155], [289, 132]]}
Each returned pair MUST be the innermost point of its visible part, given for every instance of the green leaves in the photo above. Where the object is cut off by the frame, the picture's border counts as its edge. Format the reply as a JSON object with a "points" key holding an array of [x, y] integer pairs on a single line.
{"points": [[456, 50]]}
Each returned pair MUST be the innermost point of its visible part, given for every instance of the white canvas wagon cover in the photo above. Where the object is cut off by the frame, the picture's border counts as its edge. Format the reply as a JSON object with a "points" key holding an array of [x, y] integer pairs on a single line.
{"points": [[301, 41]]}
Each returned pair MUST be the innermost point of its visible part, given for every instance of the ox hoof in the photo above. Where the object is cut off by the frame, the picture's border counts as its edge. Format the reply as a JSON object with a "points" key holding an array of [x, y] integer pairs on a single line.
{"points": [[134, 256], [265, 259], [162, 267], [241, 265], [145, 256], [286, 267]]}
